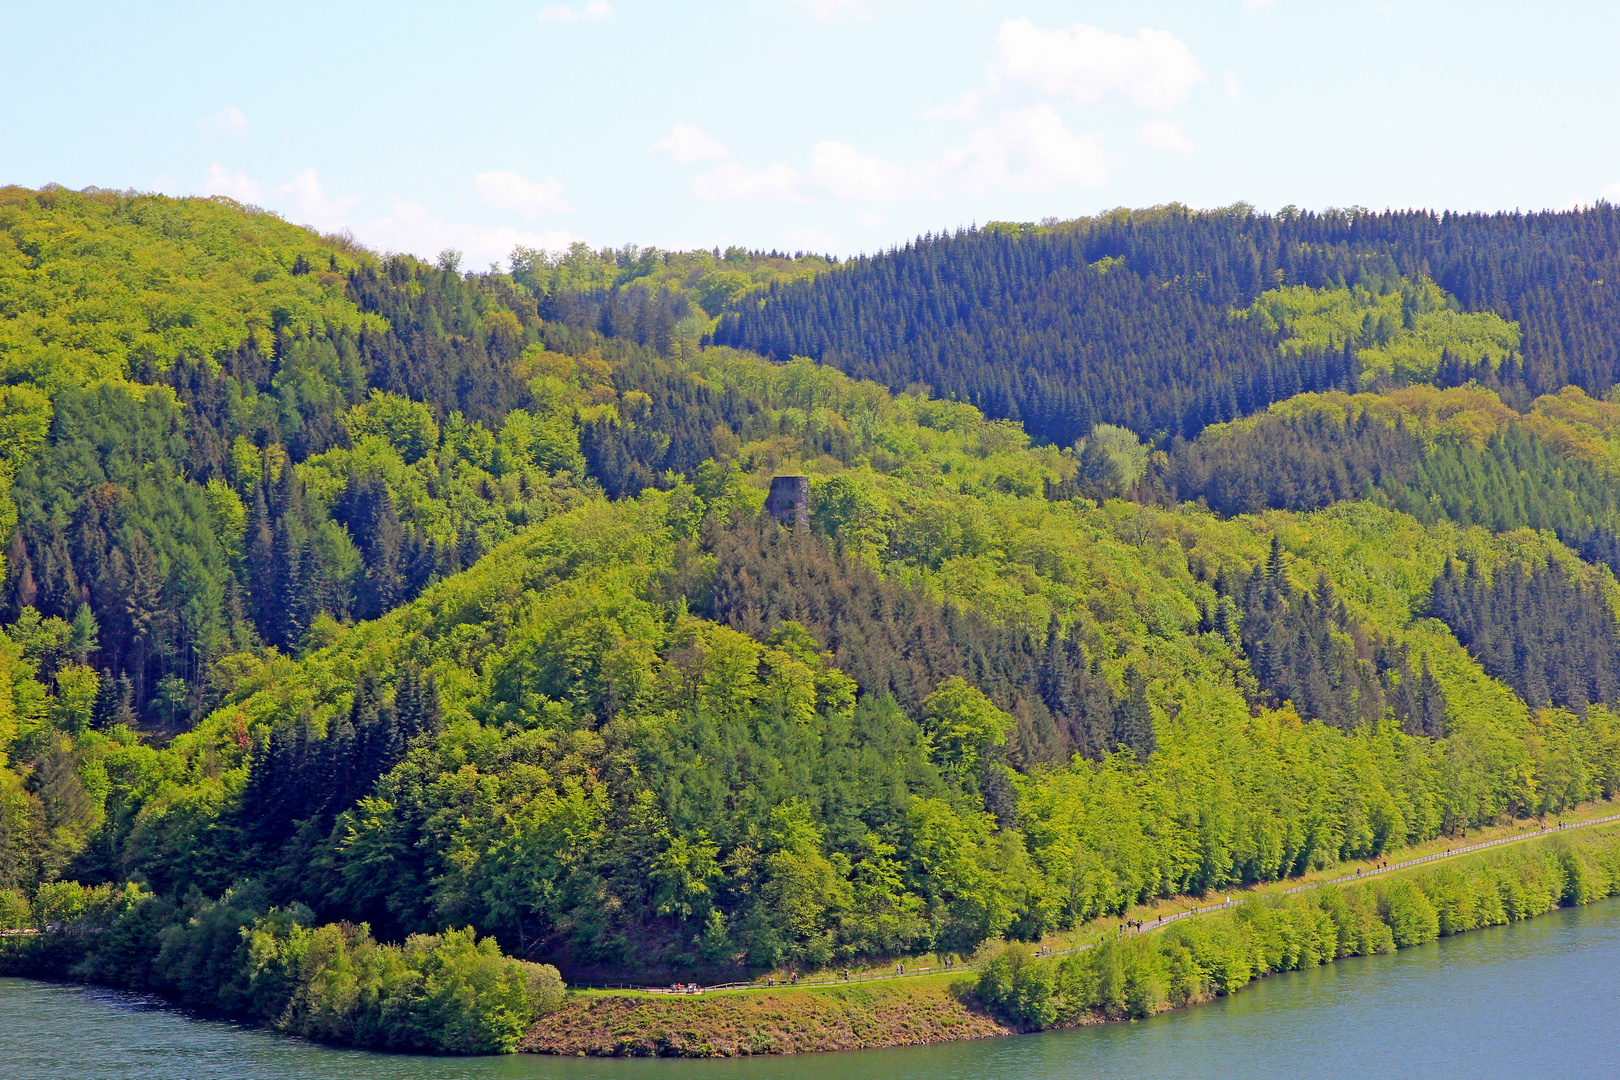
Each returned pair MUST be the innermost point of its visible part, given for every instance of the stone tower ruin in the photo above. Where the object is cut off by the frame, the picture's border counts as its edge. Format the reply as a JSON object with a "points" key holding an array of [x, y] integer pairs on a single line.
{"points": [[789, 501]]}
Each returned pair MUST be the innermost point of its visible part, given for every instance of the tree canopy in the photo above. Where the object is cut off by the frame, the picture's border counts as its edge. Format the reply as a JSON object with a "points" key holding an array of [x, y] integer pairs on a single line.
{"points": [[1223, 547]]}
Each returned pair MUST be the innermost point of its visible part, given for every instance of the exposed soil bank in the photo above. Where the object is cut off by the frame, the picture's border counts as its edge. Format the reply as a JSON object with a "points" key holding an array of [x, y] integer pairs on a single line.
{"points": [[726, 1025]]}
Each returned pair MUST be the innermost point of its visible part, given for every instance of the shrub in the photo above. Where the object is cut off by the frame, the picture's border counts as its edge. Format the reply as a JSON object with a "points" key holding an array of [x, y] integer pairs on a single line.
{"points": [[1220, 954], [1411, 917]]}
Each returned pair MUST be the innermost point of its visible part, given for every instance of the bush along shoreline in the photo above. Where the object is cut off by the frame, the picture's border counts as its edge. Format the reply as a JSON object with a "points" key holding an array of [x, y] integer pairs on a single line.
{"points": [[1124, 978], [1199, 959], [454, 993], [445, 993]]}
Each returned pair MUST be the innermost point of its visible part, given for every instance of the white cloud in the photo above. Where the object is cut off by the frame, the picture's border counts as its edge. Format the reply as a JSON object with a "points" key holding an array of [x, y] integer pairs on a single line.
{"points": [[310, 206], [1166, 135], [504, 189], [810, 239], [221, 181], [967, 107], [836, 10], [872, 221], [228, 121], [1027, 150], [687, 143], [410, 228], [1154, 69], [1256, 6], [407, 228], [1610, 195], [731, 182], [594, 11], [1233, 90], [728, 181], [846, 173]]}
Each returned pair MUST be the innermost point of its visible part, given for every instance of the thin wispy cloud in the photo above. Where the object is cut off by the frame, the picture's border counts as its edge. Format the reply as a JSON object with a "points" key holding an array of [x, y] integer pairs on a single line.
{"points": [[729, 180], [310, 204], [233, 185], [1027, 150], [966, 107], [408, 226], [687, 143], [732, 182], [504, 189], [844, 172], [1018, 145], [1087, 64], [411, 227], [1164, 135], [228, 121]]}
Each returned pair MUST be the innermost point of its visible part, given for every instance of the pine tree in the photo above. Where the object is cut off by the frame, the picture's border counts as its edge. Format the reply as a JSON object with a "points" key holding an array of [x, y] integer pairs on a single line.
{"points": [[1133, 717], [1431, 703]]}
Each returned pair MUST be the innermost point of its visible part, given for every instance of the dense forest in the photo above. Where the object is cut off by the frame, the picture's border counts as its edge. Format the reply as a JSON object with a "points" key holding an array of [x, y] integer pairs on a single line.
{"points": [[1126, 318], [363, 614], [1439, 455]]}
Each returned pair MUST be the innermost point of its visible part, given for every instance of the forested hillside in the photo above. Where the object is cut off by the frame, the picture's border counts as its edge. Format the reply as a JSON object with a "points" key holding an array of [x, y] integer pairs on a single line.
{"points": [[1122, 318], [346, 589]]}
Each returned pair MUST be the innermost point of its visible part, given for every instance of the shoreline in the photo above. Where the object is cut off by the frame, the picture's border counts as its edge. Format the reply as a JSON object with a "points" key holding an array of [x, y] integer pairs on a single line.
{"points": [[919, 1008], [1164, 911], [909, 1010]]}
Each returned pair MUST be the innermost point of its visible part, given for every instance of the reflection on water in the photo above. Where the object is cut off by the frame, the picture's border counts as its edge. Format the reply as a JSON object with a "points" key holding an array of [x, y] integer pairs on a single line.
{"points": [[1517, 1002]]}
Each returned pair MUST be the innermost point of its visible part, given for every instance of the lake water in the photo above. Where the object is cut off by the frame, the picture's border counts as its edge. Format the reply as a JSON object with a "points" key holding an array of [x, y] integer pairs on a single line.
{"points": [[1516, 1002]]}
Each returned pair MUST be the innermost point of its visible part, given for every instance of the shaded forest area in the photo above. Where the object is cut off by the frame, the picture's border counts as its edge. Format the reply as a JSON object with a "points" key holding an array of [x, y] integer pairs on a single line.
{"points": [[1552, 639], [1031, 329], [901, 642], [1122, 318], [1310, 460]]}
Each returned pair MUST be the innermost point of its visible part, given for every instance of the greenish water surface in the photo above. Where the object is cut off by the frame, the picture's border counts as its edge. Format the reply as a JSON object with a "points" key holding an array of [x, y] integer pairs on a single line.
{"points": [[1517, 1002]]}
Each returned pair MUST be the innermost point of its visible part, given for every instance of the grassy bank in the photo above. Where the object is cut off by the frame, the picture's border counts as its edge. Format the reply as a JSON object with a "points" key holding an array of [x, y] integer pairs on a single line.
{"points": [[786, 1021], [1120, 977]]}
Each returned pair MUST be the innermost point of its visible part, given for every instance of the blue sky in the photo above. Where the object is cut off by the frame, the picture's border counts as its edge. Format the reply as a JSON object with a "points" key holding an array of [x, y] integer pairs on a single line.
{"points": [[805, 124]]}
